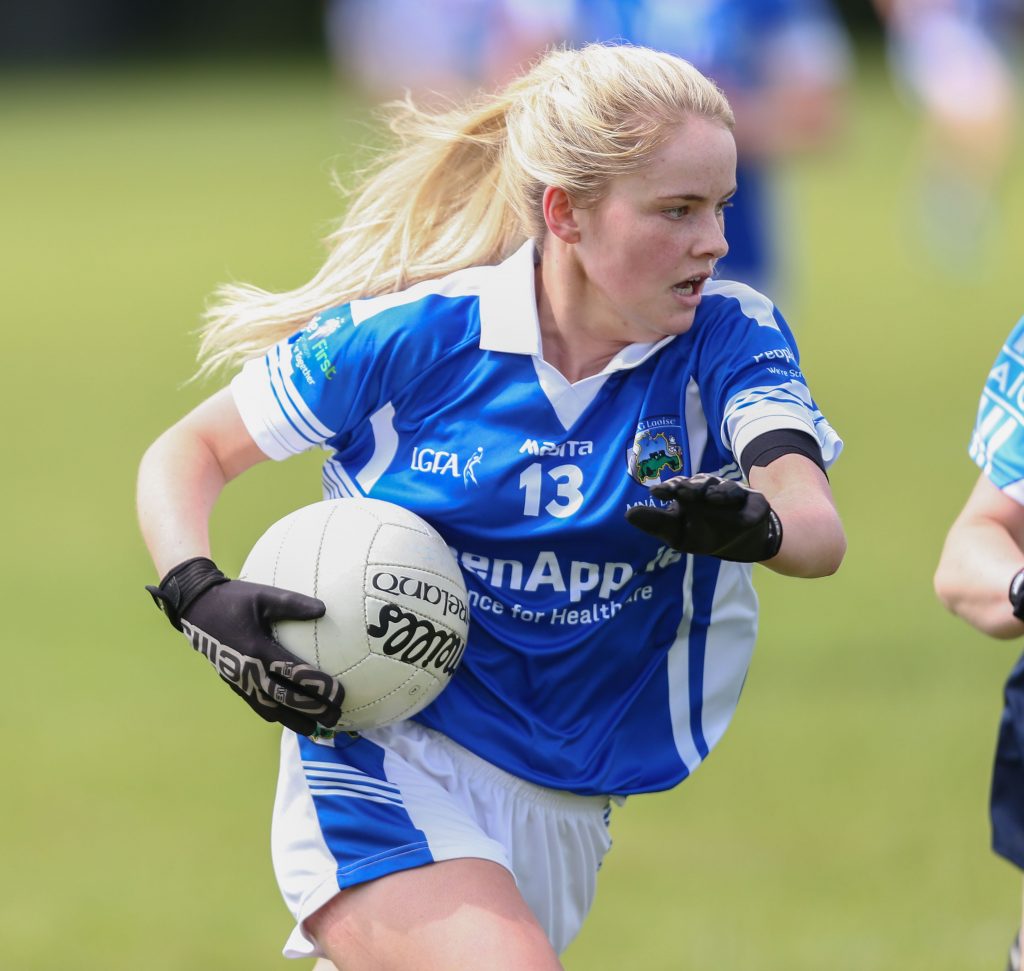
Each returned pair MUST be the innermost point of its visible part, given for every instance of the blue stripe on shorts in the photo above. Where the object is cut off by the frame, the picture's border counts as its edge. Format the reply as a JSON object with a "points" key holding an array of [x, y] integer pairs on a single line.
{"points": [[362, 817]]}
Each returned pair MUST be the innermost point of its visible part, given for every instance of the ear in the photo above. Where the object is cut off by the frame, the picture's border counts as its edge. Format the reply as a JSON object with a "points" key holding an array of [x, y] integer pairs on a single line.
{"points": [[560, 215]]}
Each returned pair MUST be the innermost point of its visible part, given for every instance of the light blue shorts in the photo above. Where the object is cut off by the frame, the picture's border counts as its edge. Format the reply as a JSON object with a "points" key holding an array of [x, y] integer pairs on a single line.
{"points": [[353, 809]]}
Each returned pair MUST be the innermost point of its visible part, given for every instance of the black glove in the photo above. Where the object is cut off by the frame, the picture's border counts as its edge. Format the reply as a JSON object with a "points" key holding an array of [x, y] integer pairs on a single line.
{"points": [[712, 517], [1017, 594], [228, 622]]}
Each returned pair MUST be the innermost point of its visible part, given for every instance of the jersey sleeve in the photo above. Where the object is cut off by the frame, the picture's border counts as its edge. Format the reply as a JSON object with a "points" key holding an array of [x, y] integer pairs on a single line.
{"points": [[750, 377], [323, 380], [997, 443]]}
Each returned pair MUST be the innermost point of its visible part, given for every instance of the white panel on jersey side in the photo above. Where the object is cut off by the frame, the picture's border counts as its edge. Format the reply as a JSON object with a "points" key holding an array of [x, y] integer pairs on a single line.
{"points": [[678, 669], [678, 660], [696, 425], [337, 483], [729, 647], [385, 445]]}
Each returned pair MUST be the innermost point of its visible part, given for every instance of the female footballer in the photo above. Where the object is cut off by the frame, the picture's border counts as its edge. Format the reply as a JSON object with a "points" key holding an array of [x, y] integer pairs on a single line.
{"points": [[525, 283], [980, 578]]}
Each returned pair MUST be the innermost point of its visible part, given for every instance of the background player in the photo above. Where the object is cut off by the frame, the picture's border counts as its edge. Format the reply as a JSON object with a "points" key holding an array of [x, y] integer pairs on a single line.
{"points": [[980, 577], [526, 279], [954, 61], [439, 50], [784, 65]]}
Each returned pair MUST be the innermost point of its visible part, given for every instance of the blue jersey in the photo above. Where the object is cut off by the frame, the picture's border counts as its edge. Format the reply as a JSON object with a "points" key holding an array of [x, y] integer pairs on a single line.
{"points": [[997, 444], [598, 661]]}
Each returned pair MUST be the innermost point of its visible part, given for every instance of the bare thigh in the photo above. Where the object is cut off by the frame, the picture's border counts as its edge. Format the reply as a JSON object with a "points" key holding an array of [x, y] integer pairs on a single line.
{"points": [[459, 914]]}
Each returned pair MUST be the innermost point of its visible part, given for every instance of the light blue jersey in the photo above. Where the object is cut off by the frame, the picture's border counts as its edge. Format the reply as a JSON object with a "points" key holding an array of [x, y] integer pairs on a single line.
{"points": [[598, 661], [997, 445]]}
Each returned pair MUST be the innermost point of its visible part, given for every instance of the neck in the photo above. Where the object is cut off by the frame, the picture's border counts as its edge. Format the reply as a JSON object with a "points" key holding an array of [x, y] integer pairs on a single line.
{"points": [[571, 342]]}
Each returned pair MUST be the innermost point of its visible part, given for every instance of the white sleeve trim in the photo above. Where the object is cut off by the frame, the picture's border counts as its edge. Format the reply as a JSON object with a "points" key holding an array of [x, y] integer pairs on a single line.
{"points": [[273, 413], [760, 410]]}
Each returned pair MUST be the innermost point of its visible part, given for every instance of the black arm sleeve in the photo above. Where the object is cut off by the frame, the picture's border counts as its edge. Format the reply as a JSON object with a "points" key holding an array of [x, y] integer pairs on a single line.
{"points": [[770, 446]]}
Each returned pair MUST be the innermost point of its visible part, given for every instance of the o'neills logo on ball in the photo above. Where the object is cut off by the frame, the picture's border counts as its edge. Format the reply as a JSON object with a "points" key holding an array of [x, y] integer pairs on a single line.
{"points": [[416, 641], [430, 593]]}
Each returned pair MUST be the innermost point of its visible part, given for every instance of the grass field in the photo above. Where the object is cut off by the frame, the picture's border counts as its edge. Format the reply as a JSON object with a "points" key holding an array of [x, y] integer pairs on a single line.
{"points": [[841, 824]]}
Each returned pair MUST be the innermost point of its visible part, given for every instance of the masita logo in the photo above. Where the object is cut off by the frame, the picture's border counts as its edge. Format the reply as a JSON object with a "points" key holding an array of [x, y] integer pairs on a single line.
{"points": [[656, 452], [533, 446]]}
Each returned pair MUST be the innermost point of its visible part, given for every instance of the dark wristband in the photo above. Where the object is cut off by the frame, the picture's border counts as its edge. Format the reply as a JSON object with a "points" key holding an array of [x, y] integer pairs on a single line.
{"points": [[183, 584], [1016, 594]]}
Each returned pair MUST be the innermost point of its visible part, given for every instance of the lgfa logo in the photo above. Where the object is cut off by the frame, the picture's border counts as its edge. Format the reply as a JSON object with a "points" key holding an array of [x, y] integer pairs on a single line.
{"points": [[656, 451], [436, 461]]}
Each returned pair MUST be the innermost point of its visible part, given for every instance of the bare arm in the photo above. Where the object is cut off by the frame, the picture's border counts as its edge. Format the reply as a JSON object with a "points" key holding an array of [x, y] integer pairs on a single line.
{"points": [[710, 516], [183, 473], [983, 551], [787, 119], [813, 541], [800, 103]]}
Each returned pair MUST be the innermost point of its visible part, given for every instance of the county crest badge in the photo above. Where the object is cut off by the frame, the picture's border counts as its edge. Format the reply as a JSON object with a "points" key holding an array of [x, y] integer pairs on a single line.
{"points": [[656, 452]]}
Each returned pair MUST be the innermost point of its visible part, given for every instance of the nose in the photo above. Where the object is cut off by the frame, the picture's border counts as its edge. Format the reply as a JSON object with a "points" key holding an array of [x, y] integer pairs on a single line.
{"points": [[711, 241]]}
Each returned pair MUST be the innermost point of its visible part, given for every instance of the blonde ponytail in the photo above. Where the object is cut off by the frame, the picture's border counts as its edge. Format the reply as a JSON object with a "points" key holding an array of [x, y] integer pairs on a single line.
{"points": [[463, 187]]}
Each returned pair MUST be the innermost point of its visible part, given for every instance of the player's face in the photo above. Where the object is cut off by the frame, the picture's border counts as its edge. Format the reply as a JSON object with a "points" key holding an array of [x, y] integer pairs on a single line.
{"points": [[648, 246]]}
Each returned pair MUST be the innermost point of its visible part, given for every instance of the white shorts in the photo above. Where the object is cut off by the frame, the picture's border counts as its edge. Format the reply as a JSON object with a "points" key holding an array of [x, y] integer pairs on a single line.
{"points": [[356, 808]]}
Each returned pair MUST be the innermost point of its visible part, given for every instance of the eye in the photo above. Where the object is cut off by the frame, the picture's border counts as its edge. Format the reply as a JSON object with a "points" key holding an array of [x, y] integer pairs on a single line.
{"points": [[676, 212], [721, 207]]}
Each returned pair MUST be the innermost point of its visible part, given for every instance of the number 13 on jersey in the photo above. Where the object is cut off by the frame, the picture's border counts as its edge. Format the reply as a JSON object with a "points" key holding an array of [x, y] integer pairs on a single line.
{"points": [[563, 480]]}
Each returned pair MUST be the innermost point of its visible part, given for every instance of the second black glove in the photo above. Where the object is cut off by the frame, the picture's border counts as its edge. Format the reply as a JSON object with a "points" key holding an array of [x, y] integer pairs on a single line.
{"points": [[711, 516]]}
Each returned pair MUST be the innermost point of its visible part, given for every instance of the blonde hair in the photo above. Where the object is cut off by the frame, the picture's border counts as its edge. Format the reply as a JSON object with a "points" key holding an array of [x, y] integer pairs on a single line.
{"points": [[463, 187]]}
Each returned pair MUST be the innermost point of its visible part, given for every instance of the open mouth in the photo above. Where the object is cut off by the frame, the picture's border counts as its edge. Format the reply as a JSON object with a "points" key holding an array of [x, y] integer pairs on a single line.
{"points": [[691, 285]]}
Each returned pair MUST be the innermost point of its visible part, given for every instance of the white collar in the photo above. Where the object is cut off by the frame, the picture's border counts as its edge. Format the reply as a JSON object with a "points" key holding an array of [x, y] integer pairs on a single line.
{"points": [[508, 313], [508, 305]]}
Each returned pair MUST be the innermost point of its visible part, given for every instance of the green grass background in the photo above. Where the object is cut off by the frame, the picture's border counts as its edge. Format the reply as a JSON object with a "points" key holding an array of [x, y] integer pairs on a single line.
{"points": [[840, 824]]}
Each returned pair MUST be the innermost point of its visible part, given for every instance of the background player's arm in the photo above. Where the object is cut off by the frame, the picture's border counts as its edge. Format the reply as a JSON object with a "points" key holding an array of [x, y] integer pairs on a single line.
{"points": [[813, 541], [182, 474], [799, 102], [983, 551]]}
